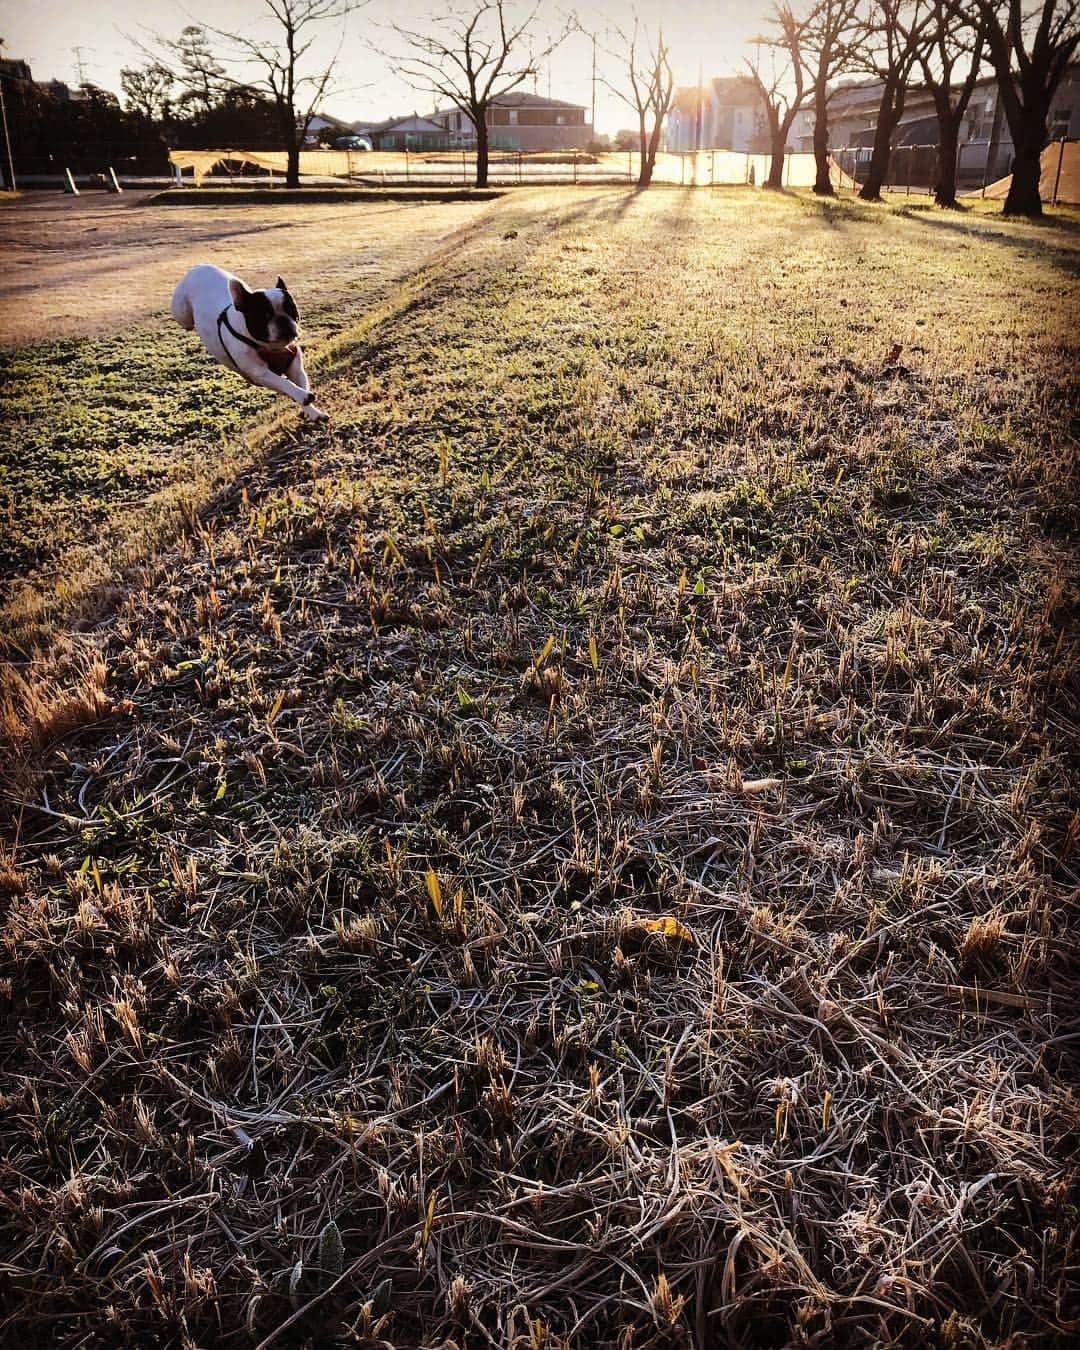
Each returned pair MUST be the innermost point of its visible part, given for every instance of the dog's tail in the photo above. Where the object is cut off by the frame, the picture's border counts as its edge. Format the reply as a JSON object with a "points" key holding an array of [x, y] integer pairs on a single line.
{"points": [[181, 308]]}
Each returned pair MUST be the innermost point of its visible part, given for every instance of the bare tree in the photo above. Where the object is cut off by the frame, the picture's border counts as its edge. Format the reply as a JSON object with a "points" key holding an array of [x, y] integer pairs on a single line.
{"points": [[953, 45], [147, 90], [783, 87], [472, 59], [1030, 46], [283, 66], [649, 88], [894, 34], [829, 42]]}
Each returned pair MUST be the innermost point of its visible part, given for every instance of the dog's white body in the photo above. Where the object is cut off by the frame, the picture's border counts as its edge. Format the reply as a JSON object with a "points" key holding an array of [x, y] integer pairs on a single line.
{"points": [[248, 331]]}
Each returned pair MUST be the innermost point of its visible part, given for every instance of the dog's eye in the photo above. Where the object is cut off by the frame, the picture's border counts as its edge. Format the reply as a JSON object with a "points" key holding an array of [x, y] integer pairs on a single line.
{"points": [[289, 307]]}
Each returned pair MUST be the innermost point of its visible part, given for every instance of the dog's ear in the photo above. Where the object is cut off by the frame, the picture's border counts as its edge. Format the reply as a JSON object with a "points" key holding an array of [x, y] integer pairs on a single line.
{"points": [[281, 286], [239, 292]]}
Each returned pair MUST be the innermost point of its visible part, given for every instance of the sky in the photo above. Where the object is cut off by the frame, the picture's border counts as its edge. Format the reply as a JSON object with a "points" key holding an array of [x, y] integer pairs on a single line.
{"points": [[710, 35]]}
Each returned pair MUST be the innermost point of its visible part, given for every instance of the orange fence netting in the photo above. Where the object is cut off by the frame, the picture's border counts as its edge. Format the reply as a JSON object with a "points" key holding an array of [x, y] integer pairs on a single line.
{"points": [[1059, 179], [702, 168]]}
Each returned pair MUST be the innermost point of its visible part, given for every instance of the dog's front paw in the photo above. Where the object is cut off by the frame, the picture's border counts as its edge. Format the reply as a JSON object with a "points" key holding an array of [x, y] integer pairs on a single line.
{"points": [[313, 414]]}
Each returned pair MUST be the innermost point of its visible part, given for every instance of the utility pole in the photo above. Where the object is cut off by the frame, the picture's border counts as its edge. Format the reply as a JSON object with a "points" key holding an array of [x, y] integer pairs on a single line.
{"points": [[7, 134], [80, 64], [593, 114]]}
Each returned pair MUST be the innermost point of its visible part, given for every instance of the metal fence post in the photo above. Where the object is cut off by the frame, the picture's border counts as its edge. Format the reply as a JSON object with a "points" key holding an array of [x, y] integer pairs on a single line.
{"points": [[1057, 176]]}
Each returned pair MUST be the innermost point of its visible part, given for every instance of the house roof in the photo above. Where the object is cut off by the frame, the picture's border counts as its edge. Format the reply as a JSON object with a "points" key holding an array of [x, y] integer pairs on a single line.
{"points": [[728, 86], [518, 100], [514, 99], [725, 89], [330, 120], [687, 99], [413, 120]]}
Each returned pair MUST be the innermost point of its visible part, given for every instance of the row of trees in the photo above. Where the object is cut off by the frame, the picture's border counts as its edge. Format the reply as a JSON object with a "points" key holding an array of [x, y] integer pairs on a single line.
{"points": [[211, 79], [208, 70], [183, 102], [941, 45]]}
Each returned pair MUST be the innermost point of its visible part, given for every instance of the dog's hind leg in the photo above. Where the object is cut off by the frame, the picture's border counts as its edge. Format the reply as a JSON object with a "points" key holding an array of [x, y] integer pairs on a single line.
{"points": [[181, 308]]}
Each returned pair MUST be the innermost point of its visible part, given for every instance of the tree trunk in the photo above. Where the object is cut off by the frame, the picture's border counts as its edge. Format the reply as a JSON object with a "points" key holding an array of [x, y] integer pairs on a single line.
{"points": [[948, 137], [482, 150], [287, 122], [777, 149], [1024, 198], [654, 146], [644, 177], [1026, 110], [887, 121], [822, 183]]}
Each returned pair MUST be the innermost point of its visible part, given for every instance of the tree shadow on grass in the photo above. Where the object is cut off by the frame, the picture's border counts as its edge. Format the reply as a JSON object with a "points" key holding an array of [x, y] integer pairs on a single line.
{"points": [[1064, 258]]}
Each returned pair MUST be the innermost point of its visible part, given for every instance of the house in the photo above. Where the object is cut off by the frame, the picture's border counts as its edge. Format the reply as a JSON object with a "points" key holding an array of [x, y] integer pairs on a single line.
{"points": [[404, 133], [15, 71], [725, 114], [60, 92], [322, 127], [518, 121]]}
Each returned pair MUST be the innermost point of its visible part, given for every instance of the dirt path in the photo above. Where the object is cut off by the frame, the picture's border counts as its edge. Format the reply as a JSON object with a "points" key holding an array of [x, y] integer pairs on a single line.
{"points": [[92, 265]]}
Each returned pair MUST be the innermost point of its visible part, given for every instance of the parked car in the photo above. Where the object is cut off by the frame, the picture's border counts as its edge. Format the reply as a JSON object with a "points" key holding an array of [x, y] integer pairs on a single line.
{"points": [[352, 143]]}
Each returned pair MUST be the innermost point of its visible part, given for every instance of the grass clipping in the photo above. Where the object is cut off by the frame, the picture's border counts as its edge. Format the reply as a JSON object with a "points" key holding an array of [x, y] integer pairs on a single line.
{"points": [[579, 854]]}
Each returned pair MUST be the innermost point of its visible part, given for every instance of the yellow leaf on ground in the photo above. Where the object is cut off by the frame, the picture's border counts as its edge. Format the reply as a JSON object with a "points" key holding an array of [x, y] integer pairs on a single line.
{"points": [[434, 890], [664, 927]]}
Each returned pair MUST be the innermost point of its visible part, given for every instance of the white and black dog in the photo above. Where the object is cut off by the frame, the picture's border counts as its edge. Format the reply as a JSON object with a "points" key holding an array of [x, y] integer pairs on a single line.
{"points": [[254, 332]]}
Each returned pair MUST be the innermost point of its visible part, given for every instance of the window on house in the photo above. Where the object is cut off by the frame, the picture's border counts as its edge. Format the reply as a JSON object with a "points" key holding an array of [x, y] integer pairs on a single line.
{"points": [[560, 120], [513, 117], [1060, 120]]}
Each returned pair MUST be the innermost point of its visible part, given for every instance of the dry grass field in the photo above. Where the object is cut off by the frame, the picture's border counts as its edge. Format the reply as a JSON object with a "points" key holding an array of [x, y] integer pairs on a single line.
{"points": [[582, 852]]}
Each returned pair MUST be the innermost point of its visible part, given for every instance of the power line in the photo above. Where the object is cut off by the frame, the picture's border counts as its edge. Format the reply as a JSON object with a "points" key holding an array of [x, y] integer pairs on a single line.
{"points": [[592, 117]]}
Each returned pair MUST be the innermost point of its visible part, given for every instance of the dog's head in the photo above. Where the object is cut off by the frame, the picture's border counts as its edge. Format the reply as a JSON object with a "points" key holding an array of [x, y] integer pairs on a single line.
{"points": [[270, 315]]}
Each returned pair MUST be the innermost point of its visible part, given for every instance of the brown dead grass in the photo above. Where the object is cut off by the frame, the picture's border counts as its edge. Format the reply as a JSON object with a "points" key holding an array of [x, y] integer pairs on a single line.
{"points": [[95, 264]]}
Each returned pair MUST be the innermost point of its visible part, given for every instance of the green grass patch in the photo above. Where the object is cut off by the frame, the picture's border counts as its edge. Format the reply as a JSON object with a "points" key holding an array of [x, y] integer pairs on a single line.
{"points": [[97, 426]]}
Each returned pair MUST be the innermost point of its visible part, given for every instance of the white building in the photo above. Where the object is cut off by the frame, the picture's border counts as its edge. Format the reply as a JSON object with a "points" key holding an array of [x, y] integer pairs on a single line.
{"points": [[725, 114]]}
